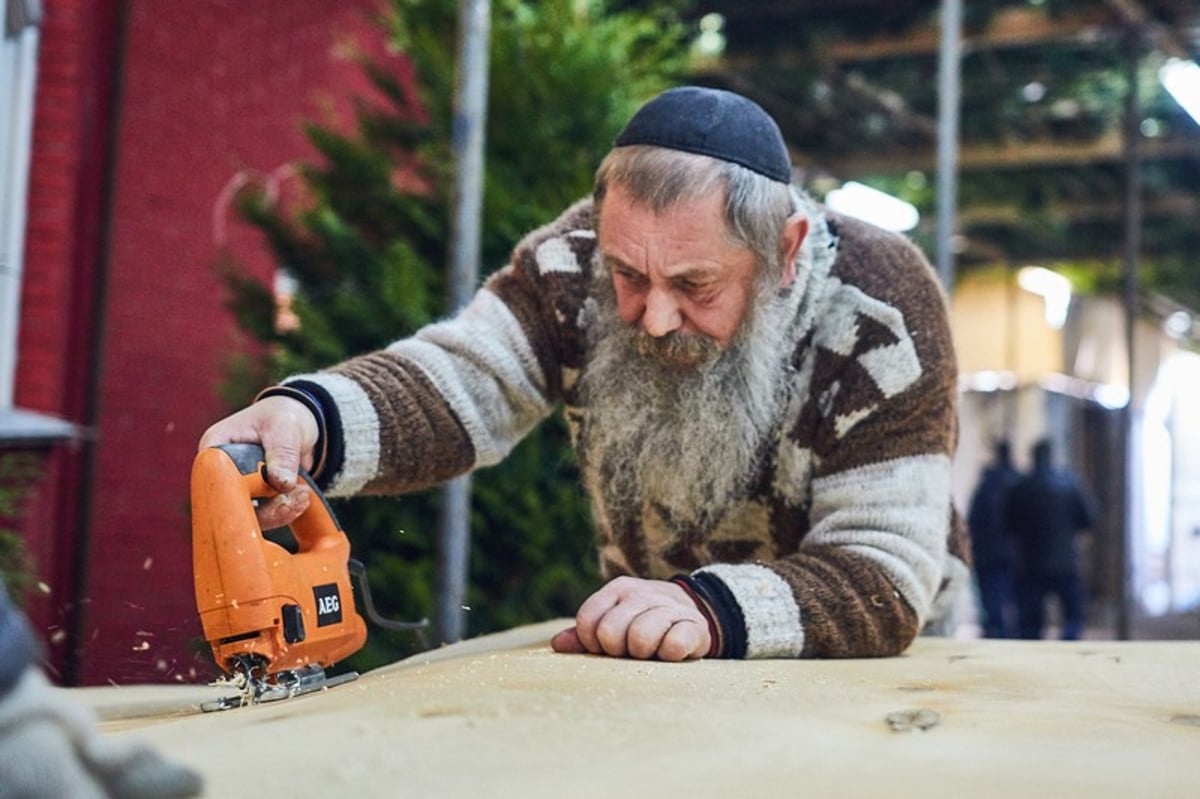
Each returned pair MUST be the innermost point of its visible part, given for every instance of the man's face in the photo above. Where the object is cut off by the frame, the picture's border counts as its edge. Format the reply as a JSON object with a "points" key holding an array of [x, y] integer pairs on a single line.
{"points": [[676, 274]]}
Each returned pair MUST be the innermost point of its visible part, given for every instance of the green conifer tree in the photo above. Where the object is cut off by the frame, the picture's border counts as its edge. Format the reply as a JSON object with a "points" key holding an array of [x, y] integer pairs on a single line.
{"points": [[368, 252]]}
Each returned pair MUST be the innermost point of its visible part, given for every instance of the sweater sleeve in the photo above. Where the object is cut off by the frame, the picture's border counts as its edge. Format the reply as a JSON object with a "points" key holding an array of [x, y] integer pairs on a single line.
{"points": [[868, 455], [461, 393]]}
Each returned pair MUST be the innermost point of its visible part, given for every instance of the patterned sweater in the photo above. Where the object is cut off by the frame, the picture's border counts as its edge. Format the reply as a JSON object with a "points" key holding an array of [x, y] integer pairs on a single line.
{"points": [[846, 544]]}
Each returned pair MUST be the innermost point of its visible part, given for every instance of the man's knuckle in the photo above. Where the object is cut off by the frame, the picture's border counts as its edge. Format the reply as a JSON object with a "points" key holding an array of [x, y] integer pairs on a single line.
{"points": [[641, 644], [640, 650], [681, 642], [671, 651]]}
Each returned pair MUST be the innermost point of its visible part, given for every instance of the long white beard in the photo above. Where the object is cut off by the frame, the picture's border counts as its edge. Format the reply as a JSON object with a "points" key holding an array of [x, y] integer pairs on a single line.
{"points": [[686, 439]]}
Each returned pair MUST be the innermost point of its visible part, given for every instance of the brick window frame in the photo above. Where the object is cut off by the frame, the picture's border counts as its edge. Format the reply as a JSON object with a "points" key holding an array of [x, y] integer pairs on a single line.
{"points": [[18, 77]]}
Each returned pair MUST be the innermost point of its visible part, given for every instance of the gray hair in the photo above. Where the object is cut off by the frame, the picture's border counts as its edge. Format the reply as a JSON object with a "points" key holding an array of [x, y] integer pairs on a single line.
{"points": [[756, 207]]}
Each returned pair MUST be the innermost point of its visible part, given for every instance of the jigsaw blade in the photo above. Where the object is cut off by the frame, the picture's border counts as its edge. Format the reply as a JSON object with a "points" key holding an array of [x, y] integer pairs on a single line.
{"points": [[286, 684]]}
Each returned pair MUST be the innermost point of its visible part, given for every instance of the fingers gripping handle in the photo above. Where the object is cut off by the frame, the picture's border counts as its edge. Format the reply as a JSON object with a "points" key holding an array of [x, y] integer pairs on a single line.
{"points": [[316, 528], [249, 458]]}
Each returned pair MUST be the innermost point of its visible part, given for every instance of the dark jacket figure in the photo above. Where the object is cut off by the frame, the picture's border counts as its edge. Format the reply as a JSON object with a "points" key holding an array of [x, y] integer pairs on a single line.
{"points": [[17, 648], [49, 744], [1046, 509], [992, 545]]}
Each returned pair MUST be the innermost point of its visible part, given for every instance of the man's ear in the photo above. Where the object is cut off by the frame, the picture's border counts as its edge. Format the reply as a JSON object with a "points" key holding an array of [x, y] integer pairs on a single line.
{"points": [[794, 231]]}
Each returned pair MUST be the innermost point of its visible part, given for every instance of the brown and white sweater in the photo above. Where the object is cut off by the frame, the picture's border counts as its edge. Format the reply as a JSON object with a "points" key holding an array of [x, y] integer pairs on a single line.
{"points": [[847, 545]]}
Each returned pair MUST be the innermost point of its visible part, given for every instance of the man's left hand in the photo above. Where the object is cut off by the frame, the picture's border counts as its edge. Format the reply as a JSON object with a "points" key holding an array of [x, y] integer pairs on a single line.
{"points": [[644, 619]]}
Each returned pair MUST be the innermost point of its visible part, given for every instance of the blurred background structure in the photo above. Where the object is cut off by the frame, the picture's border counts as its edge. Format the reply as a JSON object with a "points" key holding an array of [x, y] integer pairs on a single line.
{"points": [[1075, 245], [128, 127]]}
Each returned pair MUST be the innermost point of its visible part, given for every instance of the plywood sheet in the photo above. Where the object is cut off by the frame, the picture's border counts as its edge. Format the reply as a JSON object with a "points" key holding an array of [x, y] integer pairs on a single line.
{"points": [[503, 716]]}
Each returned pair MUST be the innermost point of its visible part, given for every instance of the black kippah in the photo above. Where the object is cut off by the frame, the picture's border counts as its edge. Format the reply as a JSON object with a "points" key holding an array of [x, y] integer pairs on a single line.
{"points": [[715, 123]]}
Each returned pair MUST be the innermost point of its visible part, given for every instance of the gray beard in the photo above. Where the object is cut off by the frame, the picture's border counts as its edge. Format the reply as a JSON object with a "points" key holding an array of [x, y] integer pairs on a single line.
{"points": [[684, 433]]}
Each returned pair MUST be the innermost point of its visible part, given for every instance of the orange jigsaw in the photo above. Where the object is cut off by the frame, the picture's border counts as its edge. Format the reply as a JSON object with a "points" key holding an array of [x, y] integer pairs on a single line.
{"points": [[276, 617]]}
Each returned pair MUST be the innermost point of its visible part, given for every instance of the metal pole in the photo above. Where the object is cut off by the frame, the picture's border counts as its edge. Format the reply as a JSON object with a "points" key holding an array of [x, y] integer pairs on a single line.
{"points": [[949, 71], [467, 134], [1130, 256]]}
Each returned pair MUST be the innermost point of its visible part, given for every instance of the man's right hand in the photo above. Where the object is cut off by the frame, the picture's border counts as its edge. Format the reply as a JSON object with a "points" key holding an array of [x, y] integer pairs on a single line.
{"points": [[287, 432]]}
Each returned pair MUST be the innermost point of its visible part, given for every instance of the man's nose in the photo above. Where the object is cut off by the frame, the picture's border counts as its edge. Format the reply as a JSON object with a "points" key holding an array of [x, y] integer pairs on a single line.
{"points": [[662, 314]]}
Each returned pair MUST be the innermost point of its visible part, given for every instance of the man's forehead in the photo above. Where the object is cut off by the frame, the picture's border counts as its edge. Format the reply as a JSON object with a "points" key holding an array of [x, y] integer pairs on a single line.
{"points": [[682, 230]]}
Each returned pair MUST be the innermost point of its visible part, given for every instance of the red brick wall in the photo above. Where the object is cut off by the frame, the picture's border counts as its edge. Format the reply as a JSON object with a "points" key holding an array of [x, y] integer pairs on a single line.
{"points": [[207, 88], [57, 332]]}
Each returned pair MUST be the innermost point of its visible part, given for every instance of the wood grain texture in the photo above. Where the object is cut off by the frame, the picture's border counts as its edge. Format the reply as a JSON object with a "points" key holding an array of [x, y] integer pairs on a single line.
{"points": [[503, 716]]}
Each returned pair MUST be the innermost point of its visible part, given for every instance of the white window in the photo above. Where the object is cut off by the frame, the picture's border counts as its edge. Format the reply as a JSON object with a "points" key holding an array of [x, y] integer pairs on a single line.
{"points": [[18, 66], [18, 70]]}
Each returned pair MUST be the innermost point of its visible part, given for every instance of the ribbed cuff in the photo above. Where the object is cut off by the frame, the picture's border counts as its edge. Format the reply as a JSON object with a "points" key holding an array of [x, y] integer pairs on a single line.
{"points": [[714, 629], [726, 623], [335, 439]]}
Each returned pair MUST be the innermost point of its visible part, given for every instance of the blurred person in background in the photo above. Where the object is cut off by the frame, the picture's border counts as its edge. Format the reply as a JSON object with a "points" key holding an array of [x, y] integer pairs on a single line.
{"points": [[992, 544], [1047, 509]]}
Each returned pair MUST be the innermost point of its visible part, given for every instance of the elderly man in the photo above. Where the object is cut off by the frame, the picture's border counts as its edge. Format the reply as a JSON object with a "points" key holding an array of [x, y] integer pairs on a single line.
{"points": [[761, 395]]}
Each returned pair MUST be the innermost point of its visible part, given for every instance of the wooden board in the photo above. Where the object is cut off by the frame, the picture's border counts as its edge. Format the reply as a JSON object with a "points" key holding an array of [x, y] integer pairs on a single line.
{"points": [[503, 716]]}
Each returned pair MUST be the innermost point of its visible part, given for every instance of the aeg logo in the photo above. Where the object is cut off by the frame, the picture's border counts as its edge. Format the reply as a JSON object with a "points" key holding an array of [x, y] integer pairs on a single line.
{"points": [[329, 604]]}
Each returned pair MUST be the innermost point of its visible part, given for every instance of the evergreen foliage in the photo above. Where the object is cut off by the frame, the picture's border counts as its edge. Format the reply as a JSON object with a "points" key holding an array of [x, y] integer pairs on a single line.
{"points": [[368, 250], [20, 472]]}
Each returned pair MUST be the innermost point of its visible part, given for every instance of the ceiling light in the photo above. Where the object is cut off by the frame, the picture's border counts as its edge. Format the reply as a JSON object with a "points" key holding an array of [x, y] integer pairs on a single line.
{"points": [[1181, 78], [1178, 324], [1051, 287]]}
